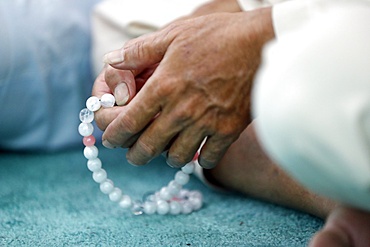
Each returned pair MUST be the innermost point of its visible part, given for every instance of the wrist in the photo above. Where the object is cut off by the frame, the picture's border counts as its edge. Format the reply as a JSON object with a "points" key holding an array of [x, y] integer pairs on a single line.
{"points": [[262, 24]]}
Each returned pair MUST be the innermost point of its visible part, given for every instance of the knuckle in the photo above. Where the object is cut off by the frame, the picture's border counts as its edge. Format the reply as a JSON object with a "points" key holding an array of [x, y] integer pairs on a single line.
{"points": [[129, 125], [100, 120], [165, 87], [227, 132], [181, 115], [140, 49], [148, 150], [178, 159], [110, 75]]}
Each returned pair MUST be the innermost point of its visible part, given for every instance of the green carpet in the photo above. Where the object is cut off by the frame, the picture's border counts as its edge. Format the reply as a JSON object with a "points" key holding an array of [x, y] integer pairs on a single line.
{"points": [[51, 200]]}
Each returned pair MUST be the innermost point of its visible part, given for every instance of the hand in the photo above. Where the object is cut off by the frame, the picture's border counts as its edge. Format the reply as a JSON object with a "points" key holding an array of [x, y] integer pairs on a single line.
{"points": [[123, 84], [200, 87]]}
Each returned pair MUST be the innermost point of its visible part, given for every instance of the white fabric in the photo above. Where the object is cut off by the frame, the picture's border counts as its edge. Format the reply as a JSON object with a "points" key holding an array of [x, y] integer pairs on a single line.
{"points": [[247, 5], [312, 102], [293, 14], [116, 21], [45, 73]]}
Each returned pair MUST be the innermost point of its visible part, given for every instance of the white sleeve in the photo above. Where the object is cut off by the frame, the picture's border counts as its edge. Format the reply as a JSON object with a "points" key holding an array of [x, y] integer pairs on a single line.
{"points": [[292, 14], [247, 5], [289, 15], [312, 104], [286, 14]]}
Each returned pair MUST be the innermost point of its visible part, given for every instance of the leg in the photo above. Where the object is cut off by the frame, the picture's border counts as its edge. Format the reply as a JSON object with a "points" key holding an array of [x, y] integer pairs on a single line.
{"points": [[247, 169], [305, 138]]}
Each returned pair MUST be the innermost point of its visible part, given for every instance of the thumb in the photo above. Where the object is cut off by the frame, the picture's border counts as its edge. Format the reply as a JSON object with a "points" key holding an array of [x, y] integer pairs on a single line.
{"points": [[139, 53]]}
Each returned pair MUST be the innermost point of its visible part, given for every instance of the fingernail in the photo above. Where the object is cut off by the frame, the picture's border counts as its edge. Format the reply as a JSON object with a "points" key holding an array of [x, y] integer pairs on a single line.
{"points": [[121, 94], [114, 57], [137, 162], [165, 154], [169, 164], [131, 163], [107, 144]]}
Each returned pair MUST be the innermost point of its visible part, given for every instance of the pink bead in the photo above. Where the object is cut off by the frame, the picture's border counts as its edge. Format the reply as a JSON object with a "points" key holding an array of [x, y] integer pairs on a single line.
{"points": [[88, 140]]}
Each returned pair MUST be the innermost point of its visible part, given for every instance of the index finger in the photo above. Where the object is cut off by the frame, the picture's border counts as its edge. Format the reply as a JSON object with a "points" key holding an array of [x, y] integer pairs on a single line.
{"points": [[134, 117], [100, 87]]}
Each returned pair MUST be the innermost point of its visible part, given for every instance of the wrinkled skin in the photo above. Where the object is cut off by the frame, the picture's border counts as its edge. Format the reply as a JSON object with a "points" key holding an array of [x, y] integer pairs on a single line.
{"points": [[245, 167], [200, 88]]}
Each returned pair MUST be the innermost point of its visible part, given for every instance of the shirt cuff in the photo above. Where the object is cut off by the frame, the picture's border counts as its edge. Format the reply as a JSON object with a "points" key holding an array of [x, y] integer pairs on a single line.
{"points": [[247, 5], [289, 15]]}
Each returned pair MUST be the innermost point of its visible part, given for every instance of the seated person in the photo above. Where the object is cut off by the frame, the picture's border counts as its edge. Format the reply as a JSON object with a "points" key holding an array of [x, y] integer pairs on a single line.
{"points": [[169, 60]]}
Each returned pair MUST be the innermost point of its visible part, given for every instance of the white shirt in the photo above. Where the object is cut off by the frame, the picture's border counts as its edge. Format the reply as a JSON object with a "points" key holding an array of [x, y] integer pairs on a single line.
{"points": [[312, 97], [290, 14]]}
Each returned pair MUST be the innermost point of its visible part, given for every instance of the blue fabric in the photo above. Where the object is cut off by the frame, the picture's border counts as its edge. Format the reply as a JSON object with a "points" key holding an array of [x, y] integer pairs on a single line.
{"points": [[51, 200], [45, 72]]}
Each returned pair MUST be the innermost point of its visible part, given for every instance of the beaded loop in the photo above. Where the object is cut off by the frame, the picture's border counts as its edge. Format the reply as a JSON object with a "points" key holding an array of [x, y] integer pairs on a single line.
{"points": [[170, 199]]}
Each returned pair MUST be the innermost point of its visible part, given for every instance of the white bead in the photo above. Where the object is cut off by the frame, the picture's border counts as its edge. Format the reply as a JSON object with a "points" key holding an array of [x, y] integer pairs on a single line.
{"points": [[149, 197], [125, 201], [93, 103], [99, 175], [85, 129], [149, 207], [188, 168], [94, 164], [186, 207], [157, 196], [165, 194], [91, 152], [184, 193], [175, 207], [107, 186], [86, 116], [115, 195], [174, 188], [107, 100], [182, 178], [196, 202], [195, 193], [162, 207], [137, 208]]}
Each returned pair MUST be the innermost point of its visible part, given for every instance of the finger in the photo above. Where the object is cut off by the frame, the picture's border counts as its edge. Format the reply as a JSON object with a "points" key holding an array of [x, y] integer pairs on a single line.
{"points": [[131, 141], [121, 83], [153, 141], [185, 146], [142, 77], [134, 117], [104, 116], [100, 87], [212, 151], [141, 52]]}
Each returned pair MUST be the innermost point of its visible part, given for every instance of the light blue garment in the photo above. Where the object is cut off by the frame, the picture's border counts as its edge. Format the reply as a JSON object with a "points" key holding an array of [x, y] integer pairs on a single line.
{"points": [[45, 72]]}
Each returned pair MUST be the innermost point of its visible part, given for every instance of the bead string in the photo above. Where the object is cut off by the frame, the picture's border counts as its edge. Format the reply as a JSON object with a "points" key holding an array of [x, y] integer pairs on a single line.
{"points": [[170, 199]]}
